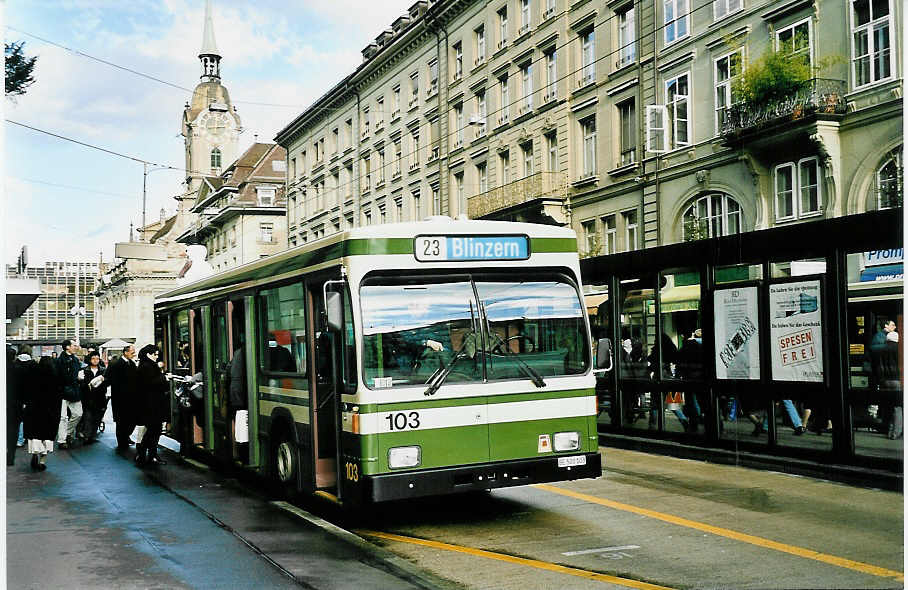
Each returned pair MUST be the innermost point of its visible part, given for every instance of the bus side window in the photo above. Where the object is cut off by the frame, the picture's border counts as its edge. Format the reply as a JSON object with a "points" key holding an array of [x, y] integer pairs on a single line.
{"points": [[349, 346], [283, 329]]}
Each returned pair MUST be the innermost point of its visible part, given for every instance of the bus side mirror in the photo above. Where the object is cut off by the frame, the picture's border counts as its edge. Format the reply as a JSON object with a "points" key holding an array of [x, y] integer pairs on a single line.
{"points": [[604, 354], [334, 311]]}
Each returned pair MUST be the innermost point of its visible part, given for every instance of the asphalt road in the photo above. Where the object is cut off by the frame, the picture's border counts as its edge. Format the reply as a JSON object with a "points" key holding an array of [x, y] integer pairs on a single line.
{"points": [[660, 520]]}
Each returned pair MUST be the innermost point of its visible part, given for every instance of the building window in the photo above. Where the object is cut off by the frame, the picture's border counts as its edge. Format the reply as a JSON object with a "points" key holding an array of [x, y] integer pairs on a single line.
{"points": [[380, 169], [627, 119], [382, 214], [627, 36], [525, 18], [458, 125], [395, 102], [436, 200], [588, 132], [588, 58], [610, 235], [379, 112], [722, 8], [414, 148], [458, 189], [676, 20], [266, 232], [433, 79], [527, 150], [676, 99], [889, 181], [216, 159], [367, 218], [711, 216], [796, 40], [502, 27], [589, 234], [630, 229], [481, 112], [798, 191], [526, 75], [551, 141], [504, 100], [458, 60], [728, 68], [480, 35], [398, 209], [483, 175], [504, 161], [335, 140], [365, 121], [414, 89], [870, 43], [417, 208], [398, 158], [551, 76], [265, 196]]}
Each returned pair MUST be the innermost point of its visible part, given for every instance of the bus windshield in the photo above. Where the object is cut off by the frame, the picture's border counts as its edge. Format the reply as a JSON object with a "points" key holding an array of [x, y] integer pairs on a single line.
{"points": [[472, 328]]}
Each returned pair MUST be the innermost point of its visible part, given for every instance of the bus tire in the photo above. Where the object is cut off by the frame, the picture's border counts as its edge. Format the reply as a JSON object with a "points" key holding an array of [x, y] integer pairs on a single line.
{"points": [[284, 461]]}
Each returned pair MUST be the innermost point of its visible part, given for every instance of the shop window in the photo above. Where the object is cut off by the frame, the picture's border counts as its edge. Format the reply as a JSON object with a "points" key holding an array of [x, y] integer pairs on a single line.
{"points": [[681, 349], [876, 351], [634, 353]]}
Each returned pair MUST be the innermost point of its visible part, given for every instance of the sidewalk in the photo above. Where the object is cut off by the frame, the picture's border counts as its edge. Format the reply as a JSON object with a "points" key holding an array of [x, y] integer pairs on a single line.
{"points": [[94, 520]]}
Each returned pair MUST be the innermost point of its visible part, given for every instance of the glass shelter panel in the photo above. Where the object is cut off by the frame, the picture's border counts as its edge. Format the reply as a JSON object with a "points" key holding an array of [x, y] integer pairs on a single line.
{"points": [[636, 352], [876, 351]]}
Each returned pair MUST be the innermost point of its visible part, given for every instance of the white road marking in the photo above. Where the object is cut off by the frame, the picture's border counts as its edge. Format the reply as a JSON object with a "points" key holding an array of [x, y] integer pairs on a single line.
{"points": [[602, 550]]}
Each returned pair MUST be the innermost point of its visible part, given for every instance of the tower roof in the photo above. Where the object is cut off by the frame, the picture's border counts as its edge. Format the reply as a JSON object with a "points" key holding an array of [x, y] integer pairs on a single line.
{"points": [[209, 46]]}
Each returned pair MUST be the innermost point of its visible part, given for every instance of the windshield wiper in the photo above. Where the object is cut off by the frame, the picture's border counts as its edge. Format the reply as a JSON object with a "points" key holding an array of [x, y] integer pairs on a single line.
{"points": [[440, 375], [532, 373]]}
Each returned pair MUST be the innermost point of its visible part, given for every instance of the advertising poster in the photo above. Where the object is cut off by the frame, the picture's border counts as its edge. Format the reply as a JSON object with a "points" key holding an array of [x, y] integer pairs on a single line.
{"points": [[737, 336], [795, 331]]}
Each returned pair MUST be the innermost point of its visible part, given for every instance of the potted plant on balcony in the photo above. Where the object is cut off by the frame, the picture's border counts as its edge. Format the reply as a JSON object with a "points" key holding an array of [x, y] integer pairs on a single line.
{"points": [[775, 79]]}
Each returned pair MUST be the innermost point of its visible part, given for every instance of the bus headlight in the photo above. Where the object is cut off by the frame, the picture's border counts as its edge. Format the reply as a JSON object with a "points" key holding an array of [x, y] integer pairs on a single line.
{"points": [[567, 441], [399, 457]]}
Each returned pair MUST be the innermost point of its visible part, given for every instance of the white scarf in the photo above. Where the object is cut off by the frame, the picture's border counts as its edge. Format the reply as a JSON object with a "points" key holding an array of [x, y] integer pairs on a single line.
{"points": [[24, 358]]}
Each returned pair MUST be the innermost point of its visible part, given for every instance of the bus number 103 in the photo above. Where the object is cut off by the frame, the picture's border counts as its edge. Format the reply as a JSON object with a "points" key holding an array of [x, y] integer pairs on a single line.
{"points": [[402, 420]]}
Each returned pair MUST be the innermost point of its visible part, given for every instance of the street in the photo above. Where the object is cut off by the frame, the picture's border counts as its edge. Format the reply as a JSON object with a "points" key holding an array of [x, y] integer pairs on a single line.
{"points": [[650, 521]]}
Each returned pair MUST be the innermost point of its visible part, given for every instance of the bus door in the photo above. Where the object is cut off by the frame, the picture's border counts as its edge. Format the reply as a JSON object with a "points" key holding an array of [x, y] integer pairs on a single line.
{"points": [[220, 343], [324, 389]]}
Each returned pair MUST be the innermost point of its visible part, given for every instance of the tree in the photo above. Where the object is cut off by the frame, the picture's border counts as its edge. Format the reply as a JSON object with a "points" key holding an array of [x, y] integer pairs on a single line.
{"points": [[19, 69]]}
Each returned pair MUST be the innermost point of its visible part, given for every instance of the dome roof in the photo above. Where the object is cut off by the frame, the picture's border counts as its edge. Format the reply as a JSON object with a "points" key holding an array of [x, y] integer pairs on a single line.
{"points": [[205, 94]]}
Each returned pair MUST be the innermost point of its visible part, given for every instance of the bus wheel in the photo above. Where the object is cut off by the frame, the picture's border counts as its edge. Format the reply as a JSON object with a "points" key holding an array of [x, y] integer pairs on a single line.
{"points": [[285, 459]]}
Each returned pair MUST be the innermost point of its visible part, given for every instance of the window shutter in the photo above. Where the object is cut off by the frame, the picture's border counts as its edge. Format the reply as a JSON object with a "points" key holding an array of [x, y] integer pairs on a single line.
{"points": [[656, 128]]}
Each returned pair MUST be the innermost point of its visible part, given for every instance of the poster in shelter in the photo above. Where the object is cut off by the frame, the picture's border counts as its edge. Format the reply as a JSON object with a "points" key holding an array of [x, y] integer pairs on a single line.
{"points": [[737, 334], [796, 331]]}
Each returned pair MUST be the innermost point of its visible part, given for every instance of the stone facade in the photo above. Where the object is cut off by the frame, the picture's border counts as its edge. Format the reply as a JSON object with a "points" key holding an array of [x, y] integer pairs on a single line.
{"points": [[554, 111]]}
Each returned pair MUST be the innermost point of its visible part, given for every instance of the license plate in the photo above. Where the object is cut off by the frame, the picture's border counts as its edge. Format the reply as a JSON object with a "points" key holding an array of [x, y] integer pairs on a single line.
{"points": [[572, 461]]}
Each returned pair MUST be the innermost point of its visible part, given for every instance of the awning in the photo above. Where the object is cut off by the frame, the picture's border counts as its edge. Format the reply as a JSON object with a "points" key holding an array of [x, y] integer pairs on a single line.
{"points": [[686, 298], [592, 302], [116, 343]]}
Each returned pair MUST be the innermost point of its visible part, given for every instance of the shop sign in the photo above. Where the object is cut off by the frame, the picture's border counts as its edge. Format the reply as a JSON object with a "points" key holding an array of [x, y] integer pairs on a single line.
{"points": [[737, 334], [879, 257], [795, 331]]}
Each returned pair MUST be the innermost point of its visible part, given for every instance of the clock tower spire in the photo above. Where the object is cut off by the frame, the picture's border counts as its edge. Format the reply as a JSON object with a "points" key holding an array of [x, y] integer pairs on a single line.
{"points": [[211, 126]]}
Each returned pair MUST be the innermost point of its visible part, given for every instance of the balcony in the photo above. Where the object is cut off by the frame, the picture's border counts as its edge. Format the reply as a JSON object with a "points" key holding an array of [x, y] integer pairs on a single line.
{"points": [[395, 115], [365, 133], [414, 165], [433, 154], [502, 44], [430, 91], [379, 125], [539, 186], [524, 29], [816, 98], [479, 61], [550, 96], [586, 79], [503, 119], [458, 76], [549, 12], [413, 102]]}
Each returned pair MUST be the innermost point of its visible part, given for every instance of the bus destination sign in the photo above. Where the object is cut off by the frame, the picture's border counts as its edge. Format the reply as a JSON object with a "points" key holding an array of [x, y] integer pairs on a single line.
{"points": [[458, 248]]}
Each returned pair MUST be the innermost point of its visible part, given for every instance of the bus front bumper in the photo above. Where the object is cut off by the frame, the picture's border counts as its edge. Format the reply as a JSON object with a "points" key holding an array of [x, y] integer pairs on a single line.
{"points": [[483, 476]]}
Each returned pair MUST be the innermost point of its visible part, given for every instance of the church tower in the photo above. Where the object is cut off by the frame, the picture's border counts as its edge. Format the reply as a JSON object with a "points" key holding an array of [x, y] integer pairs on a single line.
{"points": [[211, 127]]}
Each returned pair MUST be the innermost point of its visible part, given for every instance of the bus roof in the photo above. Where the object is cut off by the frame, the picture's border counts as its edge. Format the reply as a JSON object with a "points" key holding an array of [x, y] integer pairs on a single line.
{"points": [[383, 239]]}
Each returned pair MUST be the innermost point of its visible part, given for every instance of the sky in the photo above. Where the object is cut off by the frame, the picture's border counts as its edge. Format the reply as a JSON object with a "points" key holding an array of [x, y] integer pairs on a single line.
{"points": [[70, 202]]}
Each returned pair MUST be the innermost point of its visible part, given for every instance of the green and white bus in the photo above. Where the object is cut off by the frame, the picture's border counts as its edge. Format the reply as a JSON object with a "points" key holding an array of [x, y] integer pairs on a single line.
{"points": [[392, 361]]}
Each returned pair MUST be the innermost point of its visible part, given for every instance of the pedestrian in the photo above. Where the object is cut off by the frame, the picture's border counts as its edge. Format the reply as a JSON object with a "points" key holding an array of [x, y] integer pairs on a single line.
{"points": [[42, 407], [94, 397], [13, 406], [121, 378], [68, 367], [152, 404]]}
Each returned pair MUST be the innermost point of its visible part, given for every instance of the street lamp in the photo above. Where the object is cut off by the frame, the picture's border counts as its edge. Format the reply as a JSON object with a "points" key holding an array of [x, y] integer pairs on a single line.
{"points": [[145, 173]]}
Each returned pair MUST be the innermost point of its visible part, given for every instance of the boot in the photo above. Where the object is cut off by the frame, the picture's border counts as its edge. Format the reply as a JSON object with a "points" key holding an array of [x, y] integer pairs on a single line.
{"points": [[34, 462], [42, 462], [141, 457]]}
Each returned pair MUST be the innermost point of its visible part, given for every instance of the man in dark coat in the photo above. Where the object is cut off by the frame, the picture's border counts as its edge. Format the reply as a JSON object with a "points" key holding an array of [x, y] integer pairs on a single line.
{"points": [[153, 406], [43, 397], [68, 367], [13, 406], [122, 375]]}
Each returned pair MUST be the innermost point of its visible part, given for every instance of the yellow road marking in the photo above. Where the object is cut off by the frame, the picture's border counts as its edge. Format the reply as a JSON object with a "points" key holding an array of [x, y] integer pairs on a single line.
{"points": [[518, 560], [730, 534]]}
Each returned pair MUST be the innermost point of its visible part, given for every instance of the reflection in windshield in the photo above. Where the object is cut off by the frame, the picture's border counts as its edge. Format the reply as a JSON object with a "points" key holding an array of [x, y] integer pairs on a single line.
{"points": [[411, 331]]}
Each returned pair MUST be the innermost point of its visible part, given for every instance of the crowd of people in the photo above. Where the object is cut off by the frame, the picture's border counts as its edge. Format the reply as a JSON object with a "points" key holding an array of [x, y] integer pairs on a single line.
{"points": [[59, 402]]}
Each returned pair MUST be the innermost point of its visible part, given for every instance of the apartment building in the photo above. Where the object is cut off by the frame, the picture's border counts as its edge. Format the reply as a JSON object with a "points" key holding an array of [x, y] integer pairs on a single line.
{"points": [[621, 118], [240, 212]]}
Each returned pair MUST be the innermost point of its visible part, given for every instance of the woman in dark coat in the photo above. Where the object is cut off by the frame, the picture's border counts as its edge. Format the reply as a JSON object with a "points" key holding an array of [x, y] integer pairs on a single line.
{"points": [[43, 398], [151, 404]]}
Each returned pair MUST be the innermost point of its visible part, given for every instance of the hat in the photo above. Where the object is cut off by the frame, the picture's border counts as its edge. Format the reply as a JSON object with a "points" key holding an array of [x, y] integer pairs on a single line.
{"points": [[892, 336]]}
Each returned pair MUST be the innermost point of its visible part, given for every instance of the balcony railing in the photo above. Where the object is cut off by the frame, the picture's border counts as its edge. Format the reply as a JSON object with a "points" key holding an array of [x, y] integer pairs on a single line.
{"points": [[815, 96], [541, 185]]}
